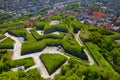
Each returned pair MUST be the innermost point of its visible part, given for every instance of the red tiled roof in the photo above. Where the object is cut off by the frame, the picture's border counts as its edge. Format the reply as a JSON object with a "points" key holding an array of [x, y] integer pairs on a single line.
{"points": [[102, 27], [88, 17], [98, 13], [30, 23], [87, 10], [118, 21]]}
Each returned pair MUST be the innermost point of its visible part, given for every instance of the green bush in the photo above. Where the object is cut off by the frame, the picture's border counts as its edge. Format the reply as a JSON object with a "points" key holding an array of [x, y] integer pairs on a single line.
{"points": [[56, 17], [26, 62], [11, 24], [6, 63], [105, 32], [32, 74]]}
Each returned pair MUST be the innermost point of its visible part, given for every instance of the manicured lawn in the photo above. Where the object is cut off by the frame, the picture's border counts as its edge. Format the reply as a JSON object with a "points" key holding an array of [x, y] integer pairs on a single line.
{"points": [[52, 61], [7, 43]]}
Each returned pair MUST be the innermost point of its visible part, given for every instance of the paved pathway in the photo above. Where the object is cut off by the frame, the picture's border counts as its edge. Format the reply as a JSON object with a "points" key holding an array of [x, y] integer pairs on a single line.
{"points": [[40, 32], [90, 59], [38, 63], [17, 45], [3, 39], [54, 22], [28, 29]]}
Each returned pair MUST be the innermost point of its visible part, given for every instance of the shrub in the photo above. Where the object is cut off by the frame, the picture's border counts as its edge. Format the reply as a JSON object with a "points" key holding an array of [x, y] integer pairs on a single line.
{"points": [[26, 62]]}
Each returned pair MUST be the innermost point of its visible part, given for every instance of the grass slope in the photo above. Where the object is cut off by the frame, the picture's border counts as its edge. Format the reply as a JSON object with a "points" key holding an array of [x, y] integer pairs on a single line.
{"points": [[7, 43], [52, 61]]}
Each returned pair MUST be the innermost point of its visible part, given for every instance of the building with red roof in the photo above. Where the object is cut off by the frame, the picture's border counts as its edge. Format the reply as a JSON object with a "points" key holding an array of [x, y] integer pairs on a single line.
{"points": [[98, 13]]}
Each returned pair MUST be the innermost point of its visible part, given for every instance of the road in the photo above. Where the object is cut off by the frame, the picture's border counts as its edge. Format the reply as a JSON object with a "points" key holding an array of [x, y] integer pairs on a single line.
{"points": [[90, 59]]}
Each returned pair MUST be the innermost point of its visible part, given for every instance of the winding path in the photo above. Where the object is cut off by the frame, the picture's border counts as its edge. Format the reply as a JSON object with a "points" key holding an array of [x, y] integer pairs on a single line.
{"points": [[17, 46], [38, 63], [90, 59]]}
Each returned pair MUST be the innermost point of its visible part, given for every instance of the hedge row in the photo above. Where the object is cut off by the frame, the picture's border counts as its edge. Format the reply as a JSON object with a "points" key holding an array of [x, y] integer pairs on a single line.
{"points": [[41, 25], [22, 33], [46, 36], [39, 45], [17, 34], [71, 47], [35, 34], [31, 46], [53, 28]]}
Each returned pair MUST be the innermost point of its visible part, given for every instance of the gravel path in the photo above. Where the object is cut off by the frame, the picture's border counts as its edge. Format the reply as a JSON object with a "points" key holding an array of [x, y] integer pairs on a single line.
{"points": [[91, 61], [40, 32], [3, 39], [28, 29], [17, 45], [55, 33], [54, 22], [38, 63], [41, 67]]}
